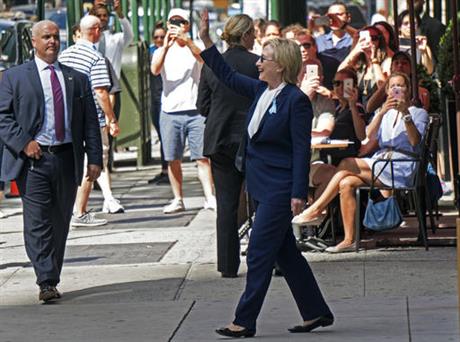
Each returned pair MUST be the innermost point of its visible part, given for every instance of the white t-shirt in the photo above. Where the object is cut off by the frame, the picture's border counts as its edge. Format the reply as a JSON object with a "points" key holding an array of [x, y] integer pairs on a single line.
{"points": [[181, 76]]}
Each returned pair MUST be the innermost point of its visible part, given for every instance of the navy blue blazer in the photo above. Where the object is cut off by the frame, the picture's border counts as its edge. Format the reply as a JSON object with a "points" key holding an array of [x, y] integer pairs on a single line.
{"points": [[278, 155], [22, 108]]}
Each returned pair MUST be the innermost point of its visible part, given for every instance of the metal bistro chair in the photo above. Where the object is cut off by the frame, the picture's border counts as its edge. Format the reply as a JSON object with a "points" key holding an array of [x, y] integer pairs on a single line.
{"points": [[416, 190]]}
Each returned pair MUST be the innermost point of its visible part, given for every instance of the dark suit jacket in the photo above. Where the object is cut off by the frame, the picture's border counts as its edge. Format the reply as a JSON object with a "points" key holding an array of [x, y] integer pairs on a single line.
{"points": [[278, 155], [224, 109], [22, 113]]}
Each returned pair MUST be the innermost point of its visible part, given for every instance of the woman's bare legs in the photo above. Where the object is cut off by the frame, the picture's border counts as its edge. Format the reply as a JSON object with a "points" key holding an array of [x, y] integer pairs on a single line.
{"points": [[351, 173], [347, 189]]}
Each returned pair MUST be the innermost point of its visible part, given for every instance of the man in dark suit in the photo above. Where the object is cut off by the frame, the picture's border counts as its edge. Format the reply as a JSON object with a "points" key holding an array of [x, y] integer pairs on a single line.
{"points": [[225, 113], [47, 121]]}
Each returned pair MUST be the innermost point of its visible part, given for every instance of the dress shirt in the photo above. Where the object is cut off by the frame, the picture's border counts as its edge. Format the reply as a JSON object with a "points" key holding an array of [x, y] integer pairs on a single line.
{"points": [[47, 135], [332, 55], [115, 43]]}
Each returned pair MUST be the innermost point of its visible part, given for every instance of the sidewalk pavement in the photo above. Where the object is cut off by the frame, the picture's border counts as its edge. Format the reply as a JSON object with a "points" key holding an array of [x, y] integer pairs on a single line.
{"points": [[152, 277]]}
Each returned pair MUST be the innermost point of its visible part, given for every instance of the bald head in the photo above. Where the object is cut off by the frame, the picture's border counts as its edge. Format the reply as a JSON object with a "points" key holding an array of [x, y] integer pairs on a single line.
{"points": [[90, 27], [39, 26], [45, 40]]}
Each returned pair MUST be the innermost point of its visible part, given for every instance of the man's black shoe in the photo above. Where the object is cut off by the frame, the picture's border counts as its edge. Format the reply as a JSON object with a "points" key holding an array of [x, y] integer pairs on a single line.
{"points": [[229, 275], [48, 293], [161, 178]]}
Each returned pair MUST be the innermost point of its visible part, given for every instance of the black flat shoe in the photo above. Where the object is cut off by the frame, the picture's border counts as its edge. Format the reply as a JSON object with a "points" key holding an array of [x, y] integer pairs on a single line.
{"points": [[323, 321], [235, 334]]}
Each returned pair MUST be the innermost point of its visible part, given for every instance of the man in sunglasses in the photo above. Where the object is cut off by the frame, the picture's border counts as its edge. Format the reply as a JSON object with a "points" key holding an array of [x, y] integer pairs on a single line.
{"points": [[179, 63], [334, 46]]}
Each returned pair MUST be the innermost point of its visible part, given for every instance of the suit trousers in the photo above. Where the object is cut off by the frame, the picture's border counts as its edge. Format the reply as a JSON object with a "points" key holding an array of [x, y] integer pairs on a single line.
{"points": [[48, 189], [272, 240], [227, 182]]}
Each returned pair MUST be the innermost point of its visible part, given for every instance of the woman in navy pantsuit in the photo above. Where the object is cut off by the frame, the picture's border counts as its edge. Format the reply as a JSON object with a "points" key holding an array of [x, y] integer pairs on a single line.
{"points": [[277, 166]]}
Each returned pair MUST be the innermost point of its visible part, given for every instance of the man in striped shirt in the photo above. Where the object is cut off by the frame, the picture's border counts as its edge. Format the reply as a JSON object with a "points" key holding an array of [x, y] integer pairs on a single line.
{"points": [[84, 57]]}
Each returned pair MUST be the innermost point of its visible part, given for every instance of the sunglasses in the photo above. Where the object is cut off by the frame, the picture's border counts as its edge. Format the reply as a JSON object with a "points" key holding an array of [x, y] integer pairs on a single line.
{"points": [[374, 38], [262, 59], [158, 37], [337, 83], [307, 45]]}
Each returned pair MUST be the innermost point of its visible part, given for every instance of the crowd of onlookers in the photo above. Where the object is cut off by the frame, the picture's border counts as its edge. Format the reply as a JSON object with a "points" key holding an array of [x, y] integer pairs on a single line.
{"points": [[345, 74]]}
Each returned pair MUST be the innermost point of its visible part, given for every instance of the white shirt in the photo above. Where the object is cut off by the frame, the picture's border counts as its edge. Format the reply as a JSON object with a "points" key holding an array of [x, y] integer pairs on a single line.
{"points": [[116, 42], [180, 75], [47, 134]]}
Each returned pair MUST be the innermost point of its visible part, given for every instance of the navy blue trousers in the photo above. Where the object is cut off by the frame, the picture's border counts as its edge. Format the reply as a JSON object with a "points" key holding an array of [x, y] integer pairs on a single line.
{"points": [[272, 241], [48, 189]]}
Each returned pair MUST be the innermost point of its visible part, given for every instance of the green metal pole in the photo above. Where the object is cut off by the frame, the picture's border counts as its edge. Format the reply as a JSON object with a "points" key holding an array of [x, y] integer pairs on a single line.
{"points": [[153, 16], [145, 20], [70, 23], [135, 20], [166, 7], [274, 10], [41, 9], [78, 10], [125, 7], [178, 3], [157, 10]]}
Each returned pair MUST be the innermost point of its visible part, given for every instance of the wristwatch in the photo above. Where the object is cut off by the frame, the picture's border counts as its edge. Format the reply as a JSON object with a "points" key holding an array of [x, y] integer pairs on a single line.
{"points": [[407, 118]]}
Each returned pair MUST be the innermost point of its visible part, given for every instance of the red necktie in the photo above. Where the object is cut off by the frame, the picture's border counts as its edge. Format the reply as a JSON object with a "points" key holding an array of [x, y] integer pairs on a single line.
{"points": [[58, 99]]}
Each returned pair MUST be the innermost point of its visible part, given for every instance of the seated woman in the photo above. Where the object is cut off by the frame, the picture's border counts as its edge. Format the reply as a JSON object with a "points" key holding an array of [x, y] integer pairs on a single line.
{"points": [[349, 122], [399, 127]]}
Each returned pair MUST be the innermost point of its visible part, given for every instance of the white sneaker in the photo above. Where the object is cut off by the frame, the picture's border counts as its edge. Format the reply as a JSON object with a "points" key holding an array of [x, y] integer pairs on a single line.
{"points": [[112, 206], [2, 214], [175, 206], [210, 203]]}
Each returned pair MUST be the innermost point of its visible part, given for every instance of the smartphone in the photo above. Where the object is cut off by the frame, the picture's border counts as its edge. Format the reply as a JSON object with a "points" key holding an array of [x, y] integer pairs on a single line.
{"points": [[397, 93], [347, 87], [322, 21], [366, 35], [312, 70]]}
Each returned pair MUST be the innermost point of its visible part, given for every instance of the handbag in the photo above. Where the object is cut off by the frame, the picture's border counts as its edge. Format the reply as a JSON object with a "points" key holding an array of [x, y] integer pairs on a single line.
{"points": [[382, 215]]}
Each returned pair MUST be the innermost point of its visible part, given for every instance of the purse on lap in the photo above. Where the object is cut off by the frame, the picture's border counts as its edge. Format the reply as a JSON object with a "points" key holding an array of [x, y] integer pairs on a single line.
{"points": [[382, 215]]}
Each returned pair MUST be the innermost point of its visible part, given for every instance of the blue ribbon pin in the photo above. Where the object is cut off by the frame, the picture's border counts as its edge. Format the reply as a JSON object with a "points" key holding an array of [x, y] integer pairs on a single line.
{"points": [[272, 109]]}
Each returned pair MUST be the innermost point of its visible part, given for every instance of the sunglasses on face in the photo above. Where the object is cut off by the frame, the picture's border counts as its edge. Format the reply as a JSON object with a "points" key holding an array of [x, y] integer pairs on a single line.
{"points": [[158, 37], [337, 83], [262, 59], [306, 45], [374, 38]]}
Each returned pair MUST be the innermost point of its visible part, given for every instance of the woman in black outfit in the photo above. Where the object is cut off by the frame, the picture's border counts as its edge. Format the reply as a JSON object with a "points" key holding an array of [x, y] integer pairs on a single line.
{"points": [[225, 124]]}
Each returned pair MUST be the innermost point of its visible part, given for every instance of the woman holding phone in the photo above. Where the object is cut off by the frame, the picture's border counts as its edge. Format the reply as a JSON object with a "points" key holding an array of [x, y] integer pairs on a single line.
{"points": [[370, 61], [277, 155], [399, 128], [350, 118]]}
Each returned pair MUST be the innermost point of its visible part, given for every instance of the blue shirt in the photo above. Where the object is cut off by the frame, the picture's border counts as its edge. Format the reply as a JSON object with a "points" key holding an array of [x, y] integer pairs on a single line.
{"points": [[331, 56], [47, 134]]}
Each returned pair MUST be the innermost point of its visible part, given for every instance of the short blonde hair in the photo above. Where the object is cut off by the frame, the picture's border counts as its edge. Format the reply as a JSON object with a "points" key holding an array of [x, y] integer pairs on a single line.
{"points": [[287, 54], [235, 27], [406, 79]]}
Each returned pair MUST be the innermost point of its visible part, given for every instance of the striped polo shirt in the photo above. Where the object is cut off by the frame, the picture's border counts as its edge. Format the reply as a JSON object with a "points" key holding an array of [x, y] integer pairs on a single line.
{"points": [[83, 57]]}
